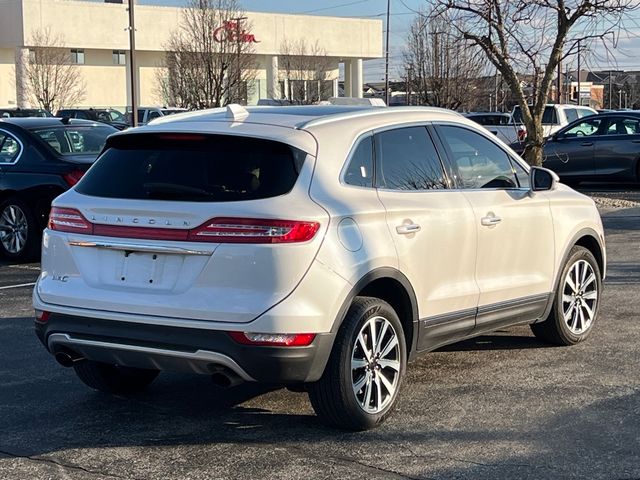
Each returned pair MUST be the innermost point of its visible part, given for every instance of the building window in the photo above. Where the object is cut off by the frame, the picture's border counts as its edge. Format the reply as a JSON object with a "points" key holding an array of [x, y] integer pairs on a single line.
{"points": [[77, 56], [119, 57]]}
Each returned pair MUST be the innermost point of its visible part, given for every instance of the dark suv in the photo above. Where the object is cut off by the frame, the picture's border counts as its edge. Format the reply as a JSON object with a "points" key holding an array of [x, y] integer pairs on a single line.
{"points": [[105, 115], [39, 159], [23, 112]]}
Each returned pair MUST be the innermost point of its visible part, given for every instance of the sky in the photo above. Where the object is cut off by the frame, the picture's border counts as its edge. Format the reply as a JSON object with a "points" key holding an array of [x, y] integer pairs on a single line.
{"points": [[403, 12]]}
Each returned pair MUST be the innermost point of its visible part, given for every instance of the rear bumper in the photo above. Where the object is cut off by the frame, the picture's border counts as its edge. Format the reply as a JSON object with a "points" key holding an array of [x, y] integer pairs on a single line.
{"points": [[182, 349]]}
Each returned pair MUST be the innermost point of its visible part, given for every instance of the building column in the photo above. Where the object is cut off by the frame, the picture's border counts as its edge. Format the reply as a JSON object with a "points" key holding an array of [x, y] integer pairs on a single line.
{"points": [[347, 78], [273, 87], [336, 89], [22, 61], [356, 77]]}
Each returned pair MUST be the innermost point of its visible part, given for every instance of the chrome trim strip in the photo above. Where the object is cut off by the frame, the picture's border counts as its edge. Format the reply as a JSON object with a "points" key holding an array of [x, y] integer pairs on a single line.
{"points": [[200, 355], [136, 247]]}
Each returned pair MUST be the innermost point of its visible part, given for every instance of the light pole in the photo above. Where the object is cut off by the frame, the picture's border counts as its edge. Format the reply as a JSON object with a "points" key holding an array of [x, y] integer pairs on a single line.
{"points": [[238, 23], [132, 64], [386, 60]]}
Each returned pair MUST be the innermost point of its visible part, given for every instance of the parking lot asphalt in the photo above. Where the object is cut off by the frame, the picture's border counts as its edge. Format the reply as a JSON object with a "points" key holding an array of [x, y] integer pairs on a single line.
{"points": [[498, 406]]}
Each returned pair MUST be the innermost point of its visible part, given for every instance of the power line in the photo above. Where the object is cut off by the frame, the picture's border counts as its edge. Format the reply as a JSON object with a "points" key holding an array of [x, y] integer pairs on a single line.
{"points": [[334, 6]]}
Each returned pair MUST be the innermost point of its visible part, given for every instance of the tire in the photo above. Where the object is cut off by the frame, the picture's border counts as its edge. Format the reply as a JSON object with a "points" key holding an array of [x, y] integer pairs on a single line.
{"points": [[113, 379], [574, 311], [333, 397], [19, 233]]}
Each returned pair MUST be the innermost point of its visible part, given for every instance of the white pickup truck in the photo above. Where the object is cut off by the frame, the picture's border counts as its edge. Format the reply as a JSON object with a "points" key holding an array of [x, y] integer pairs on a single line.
{"points": [[500, 124], [556, 116]]}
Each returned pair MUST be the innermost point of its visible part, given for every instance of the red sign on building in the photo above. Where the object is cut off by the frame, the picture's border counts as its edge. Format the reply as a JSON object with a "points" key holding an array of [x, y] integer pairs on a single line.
{"points": [[230, 32]]}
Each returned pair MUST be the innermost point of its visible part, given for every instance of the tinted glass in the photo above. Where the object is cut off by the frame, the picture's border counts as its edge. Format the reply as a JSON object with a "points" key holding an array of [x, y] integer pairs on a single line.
{"points": [[477, 161], [548, 117], [197, 168], [407, 160], [572, 115], [140, 116], [583, 128], [623, 126], [360, 169], [75, 139], [9, 148], [521, 174], [153, 115]]}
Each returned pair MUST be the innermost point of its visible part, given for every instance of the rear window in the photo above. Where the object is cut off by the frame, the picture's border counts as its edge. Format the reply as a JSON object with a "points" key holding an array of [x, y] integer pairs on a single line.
{"points": [[549, 116], [193, 168], [75, 139]]}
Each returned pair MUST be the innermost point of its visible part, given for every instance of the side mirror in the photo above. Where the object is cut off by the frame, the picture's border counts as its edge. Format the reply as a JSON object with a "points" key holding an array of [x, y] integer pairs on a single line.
{"points": [[542, 179]]}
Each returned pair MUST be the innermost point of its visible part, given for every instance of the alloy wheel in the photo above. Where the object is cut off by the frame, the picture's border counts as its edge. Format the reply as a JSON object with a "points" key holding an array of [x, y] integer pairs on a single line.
{"points": [[13, 229], [579, 297], [375, 365]]}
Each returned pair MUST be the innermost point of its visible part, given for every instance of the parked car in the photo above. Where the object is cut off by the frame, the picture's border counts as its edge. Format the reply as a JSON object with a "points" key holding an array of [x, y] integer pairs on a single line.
{"points": [[39, 159], [320, 247], [556, 116], [604, 147], [146, 114], [23, 112], [500, 124], [111, 116]]}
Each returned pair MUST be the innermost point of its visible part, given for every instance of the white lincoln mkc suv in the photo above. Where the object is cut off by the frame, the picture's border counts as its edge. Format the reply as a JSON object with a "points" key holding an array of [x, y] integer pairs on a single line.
{"points": [[317, 247]]}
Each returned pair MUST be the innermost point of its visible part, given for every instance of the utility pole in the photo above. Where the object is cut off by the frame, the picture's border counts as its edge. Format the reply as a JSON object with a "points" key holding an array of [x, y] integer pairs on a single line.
{"points": [[238, 32], [579, 92], [132, 64], [386, 61]]}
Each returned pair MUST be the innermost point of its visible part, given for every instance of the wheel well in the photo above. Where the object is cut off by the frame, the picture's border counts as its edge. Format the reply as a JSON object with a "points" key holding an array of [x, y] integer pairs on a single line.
{"points": [[593, 246], [394, 293]]}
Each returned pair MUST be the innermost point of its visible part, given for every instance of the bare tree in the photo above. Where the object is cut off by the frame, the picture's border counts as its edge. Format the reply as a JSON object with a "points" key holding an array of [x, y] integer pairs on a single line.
{"points": [[210, 59], [306, 70], [533, 37], [52, 80], [441, 66]]}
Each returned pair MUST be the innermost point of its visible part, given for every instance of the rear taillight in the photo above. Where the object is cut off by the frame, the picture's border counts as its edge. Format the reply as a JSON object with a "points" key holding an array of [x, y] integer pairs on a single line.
{"points": [[42, 316], [73, 177], [253, 230], [274, 339], [69, 220], [216, 230]]}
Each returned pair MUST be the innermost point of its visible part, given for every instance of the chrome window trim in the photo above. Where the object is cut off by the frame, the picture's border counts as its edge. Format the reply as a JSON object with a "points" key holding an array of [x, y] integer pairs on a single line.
{"points": [[12, 135]]}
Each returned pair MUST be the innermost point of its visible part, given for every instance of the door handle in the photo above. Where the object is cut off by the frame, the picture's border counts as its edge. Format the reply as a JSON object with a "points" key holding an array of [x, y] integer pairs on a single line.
{"points": [[587, 144], [490, 221], [408, 228]]}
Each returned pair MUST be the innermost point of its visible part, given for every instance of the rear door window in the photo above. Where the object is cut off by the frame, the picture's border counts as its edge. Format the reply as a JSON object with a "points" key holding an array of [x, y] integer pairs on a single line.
{"points": [[75, 140], [194, 168], [572, 115], [406, 159]]}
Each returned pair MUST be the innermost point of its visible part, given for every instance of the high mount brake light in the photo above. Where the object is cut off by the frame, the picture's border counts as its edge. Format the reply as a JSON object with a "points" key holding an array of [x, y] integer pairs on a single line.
{"points": [[274, 339], [216, 230]]}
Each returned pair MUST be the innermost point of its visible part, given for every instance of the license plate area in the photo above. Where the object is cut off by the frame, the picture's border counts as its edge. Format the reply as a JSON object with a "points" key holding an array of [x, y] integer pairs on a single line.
{"points": [[141, 268]]}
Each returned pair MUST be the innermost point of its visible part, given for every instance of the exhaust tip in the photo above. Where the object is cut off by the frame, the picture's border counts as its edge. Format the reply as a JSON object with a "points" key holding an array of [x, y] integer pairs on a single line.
{"points": [[67, 359], [226, 379]]}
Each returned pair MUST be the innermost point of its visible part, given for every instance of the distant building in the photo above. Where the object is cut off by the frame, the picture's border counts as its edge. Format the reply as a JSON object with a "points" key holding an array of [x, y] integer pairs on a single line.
{"points": [[97, 38]]}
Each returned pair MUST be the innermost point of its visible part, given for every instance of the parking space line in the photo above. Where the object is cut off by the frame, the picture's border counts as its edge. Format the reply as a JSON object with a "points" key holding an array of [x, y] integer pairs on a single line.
{"points": [[20, 285]]}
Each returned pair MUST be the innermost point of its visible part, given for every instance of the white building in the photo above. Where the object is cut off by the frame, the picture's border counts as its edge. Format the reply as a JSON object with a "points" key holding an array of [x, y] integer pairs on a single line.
{"points": [[97, 38]]}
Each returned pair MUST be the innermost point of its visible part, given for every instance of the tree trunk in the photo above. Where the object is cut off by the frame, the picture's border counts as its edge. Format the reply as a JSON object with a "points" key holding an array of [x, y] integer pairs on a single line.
{"points": [[535, 141]]}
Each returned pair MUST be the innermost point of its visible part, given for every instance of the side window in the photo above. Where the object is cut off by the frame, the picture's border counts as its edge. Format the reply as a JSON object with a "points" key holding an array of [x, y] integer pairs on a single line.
{"points": [[140, 116], [572, 114], [406, 159], [623, 126], [583, 112], [80, 114], [9, 148], [521, 174], [153, 115], [360, 169], [583, 129], [477, 161]]}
